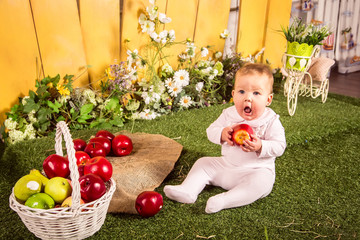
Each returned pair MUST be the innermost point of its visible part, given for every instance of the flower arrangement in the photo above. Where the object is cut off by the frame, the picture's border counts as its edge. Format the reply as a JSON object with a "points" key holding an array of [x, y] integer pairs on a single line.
{"points": [[310, 34], [149, 87], [144, 86]]}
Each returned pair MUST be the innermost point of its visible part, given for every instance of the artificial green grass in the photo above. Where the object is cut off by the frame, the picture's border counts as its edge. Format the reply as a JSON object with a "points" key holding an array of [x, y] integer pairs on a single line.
{"points": [[316, 193]]}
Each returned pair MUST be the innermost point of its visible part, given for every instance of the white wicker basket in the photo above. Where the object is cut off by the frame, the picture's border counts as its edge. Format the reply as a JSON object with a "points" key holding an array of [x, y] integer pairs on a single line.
{"points": [[75, 222]]}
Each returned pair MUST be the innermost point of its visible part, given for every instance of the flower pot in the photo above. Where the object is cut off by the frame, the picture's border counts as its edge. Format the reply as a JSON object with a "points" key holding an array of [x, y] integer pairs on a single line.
{"points": [[298, 55]]}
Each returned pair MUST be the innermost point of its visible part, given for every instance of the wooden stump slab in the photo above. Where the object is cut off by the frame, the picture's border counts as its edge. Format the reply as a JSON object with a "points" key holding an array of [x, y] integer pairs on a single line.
{"points": [[152, 159]]}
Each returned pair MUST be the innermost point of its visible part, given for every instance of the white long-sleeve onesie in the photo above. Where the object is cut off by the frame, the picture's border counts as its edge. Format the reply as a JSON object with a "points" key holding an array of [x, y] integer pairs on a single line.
{"points": [[247, 176]]}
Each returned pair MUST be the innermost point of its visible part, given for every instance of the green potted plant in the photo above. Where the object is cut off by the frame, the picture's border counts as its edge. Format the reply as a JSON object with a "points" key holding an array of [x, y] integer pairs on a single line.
{"points": [[301, 40]]}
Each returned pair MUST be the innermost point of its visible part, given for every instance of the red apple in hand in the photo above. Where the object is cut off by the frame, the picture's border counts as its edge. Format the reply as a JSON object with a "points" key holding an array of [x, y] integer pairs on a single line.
{"points": [[56, 166], [79, 144], [105, 134], [95, 149], [81, 157], [106, 143], [99, 166], [241, 133], [122, 145], [148, 203], [92, 187]]}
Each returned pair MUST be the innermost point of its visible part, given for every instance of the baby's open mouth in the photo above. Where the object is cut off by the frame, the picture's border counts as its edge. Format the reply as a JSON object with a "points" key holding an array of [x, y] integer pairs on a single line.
{"points": [[247, 110]]}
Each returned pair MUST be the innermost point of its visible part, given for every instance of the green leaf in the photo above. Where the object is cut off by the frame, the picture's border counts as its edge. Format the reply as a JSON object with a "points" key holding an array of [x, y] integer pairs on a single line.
{"points": [[86, 109], [112, 104], [30, 105], [60, 118], [43, 115], [117, 122], [54, 106]]}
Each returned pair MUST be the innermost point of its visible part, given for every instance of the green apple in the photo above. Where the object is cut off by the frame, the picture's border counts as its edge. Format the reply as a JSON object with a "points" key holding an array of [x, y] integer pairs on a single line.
{"points": [[39, 174], [27, 186], [40, 200], [58, 188]]}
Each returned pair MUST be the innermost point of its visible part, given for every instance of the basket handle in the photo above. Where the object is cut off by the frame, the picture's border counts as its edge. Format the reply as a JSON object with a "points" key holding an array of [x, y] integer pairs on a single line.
{"points": [[62, 129]]}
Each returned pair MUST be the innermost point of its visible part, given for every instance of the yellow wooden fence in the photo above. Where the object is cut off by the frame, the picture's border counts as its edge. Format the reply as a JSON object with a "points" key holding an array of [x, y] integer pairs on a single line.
{"points": [[82, 37]]}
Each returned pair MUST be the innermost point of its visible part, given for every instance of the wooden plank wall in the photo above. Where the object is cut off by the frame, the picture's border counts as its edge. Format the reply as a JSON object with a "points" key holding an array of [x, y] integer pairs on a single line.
{"points": [[82, 37]]}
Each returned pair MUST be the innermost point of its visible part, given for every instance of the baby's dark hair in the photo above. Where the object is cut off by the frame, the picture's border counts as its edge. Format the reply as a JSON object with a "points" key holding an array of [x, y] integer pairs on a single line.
{"points": [[259, 68]]}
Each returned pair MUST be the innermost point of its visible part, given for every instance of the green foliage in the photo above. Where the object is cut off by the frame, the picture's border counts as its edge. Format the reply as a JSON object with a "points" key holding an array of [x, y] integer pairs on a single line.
{"points": [[315, 196], [305, 33]]}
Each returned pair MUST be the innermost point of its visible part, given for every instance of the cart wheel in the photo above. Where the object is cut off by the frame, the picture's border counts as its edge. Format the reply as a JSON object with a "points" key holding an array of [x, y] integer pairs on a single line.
{"points": [[292, 96], [325, 90], [286, 87]]}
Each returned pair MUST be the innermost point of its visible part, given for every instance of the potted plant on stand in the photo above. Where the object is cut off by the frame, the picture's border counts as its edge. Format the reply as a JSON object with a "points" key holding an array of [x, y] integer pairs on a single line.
{"points": [[301, 40]]}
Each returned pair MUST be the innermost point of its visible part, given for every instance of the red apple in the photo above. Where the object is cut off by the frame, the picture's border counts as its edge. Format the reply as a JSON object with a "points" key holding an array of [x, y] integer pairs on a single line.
{"points": [[105, 134], [79, 144], [122, 145], [92, 187], [95, 149], [148, 203], [99, 166], [81, 157], [106, 143], [81, 169], [56, 166], [241, 133]]}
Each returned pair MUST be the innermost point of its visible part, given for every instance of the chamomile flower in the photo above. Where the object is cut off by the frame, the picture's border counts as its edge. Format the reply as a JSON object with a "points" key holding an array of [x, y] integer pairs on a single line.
{"points": [[174, 90], [185, 101], [181, 78], [148, 114], [169, 83]]}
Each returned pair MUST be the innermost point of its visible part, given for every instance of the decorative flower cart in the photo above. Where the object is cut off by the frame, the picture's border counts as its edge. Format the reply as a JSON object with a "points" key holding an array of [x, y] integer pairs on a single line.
{"points": [[298, 79]]}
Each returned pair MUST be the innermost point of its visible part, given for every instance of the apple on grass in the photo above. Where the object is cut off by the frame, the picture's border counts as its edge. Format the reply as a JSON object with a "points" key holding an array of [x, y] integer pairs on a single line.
{"points": [[92, 187], [148, 203], [122, 145], [56, 166], [105, 134], [58, 188], [106, 143], [27, 186], [241, 133], [99, 166], [79, 144], [41, 201]]}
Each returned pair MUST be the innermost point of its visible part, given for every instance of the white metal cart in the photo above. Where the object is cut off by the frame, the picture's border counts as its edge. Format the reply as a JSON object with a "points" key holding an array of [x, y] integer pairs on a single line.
{"points": [[301, 82]]}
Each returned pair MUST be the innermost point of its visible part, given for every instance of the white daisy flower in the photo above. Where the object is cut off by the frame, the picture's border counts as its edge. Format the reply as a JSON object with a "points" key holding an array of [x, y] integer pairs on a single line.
{"points": [[225, 34], [169, 83], [204, 51], [199, 86], [148, 27], [148, 114], [163, 18], [181, 78], [186, 101], [174, 90], [183, 56]]}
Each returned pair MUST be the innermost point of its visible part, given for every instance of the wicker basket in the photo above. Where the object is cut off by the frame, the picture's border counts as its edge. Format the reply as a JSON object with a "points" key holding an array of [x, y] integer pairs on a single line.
{"points": [[75, 222]]}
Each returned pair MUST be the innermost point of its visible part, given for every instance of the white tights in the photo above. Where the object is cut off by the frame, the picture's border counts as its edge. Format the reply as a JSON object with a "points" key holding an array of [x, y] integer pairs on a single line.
{"points": [[244, 185]]}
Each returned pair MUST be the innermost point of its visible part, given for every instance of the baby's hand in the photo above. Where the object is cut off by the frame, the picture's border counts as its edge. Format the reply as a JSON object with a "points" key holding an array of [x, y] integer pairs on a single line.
{"points": [[252, 146], [226, 136]]}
